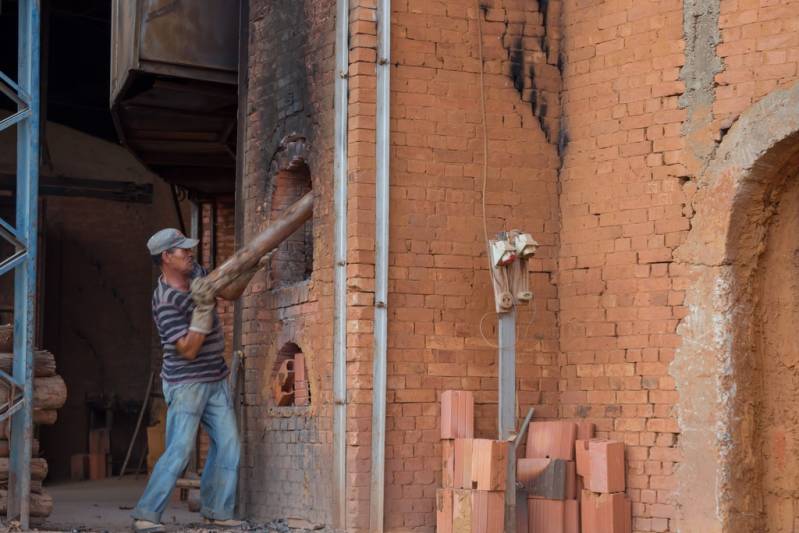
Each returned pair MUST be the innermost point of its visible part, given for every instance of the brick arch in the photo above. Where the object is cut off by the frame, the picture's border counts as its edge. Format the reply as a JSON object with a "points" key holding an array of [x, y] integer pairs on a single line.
{"points": [[293, 259], [713, 367]]}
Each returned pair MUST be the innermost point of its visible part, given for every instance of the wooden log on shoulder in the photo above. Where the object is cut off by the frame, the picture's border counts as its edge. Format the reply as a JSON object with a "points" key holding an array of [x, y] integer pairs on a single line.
{"points": [[41, 504], [43, 363], [270, 238]]}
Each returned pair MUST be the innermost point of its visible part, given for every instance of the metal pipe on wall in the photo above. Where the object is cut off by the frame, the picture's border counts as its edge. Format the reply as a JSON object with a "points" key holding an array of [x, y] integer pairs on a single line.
{"points": [[341, 99], [238, 231], [19, 480], [382, 180]]}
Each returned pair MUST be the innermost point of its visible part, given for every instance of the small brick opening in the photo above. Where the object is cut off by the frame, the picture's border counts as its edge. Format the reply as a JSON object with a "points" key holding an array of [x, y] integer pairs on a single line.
{"points": [[290, 385], [293, 260]]}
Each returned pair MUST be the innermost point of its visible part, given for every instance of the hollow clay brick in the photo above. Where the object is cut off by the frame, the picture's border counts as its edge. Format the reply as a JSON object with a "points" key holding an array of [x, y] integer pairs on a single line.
{"points": [[488, 511], [444, 511], [546, 516], [462, 510], [528, 468], [457, 415], [605, 513], [571, 480], [462, 478], [606, 473], [582, 459], [489, 464], [448, 464], [550, 484], [299, 367], [571, 519], [554, 440]]}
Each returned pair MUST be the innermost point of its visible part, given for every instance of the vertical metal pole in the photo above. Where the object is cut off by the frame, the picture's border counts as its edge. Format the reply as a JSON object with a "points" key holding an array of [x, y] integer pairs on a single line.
{"points": [[507, 406], [25, 274], [241, 165], [340, 265], [382, 179], [507, 374]]}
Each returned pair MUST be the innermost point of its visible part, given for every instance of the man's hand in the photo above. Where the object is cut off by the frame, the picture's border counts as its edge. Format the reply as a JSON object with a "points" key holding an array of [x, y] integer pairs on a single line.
{"points": [[201, 292], [202, 318]]}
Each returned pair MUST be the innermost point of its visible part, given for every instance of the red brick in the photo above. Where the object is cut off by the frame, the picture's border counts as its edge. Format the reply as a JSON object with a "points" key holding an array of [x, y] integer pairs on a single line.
{"points": [[448, 464], [528, 468], [551, 439], [457, 415], [489, 464], [444, 510], [605, 513]]}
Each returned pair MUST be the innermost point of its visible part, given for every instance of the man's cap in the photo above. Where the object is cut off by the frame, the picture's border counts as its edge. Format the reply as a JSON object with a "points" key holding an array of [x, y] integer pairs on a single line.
{"points": [[167, 239]]}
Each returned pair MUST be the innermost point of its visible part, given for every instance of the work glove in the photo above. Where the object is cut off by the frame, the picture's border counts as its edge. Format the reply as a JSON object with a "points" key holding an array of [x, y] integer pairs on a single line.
{"points": [[201, 292], [202, 319]]}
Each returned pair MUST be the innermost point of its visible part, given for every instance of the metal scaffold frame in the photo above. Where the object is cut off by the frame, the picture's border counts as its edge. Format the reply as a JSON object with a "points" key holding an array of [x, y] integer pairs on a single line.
{"points": [[22, 236]]}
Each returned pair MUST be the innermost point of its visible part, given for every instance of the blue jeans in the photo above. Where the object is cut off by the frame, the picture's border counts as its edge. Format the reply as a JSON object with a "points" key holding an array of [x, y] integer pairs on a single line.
{"points": [[188, 405]]}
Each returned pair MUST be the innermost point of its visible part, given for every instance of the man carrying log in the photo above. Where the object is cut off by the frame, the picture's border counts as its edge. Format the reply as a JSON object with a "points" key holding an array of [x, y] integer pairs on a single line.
{"points": [[195, 389]]}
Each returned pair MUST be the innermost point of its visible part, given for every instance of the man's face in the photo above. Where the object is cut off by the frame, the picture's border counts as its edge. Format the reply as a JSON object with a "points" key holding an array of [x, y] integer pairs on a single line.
{"points": [[179, 260]]}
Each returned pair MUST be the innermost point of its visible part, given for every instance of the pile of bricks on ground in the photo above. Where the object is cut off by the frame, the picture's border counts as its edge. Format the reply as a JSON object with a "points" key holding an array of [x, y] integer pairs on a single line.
{"points": [[93, 465], [290, 384], [571, 481], [474, 472]]}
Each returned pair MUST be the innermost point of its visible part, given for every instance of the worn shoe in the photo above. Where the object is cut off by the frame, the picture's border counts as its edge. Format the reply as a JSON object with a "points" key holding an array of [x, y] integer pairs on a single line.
{"points": [[231, 522], [145, 526]]}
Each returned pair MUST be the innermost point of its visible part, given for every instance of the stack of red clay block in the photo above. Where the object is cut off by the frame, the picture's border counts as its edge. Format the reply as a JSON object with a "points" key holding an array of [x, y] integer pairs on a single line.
{"points": [[92, 465], [575, 483], [549, 473], [605, 506], [472, 499]]}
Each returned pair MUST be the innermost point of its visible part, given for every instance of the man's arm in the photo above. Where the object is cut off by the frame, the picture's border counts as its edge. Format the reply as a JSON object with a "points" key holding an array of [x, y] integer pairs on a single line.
{"points": [[189, 345]]}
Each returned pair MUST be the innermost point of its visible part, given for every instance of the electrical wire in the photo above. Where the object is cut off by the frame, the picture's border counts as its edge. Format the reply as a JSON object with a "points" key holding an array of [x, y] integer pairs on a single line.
{"points": [[483, 118]]}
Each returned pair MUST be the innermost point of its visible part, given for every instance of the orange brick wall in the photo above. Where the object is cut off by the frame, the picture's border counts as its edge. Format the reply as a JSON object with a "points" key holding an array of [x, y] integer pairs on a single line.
{"points": [[622, 216], [586, 121], [760, 50], [438, 280]]}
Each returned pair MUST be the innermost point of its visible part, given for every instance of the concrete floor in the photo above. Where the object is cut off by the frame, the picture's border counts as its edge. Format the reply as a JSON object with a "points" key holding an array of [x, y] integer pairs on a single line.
{"points": [[105, 505]]}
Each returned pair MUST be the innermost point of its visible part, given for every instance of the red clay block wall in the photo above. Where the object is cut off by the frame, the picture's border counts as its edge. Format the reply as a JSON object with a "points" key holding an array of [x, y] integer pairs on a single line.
{"points": [[439, 286], [622, 216]]}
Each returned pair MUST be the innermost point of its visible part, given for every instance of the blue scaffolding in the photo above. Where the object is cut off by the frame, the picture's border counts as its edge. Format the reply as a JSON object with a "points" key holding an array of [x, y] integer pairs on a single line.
{"points": [[19, 406]]}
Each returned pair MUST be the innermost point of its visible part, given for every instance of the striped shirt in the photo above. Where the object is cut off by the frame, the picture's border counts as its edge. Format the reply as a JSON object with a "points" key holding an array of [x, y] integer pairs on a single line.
{"points": [[172, 309]]}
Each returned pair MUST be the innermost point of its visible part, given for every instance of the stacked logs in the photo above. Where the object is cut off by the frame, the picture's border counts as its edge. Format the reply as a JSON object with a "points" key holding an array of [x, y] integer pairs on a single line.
{"points": [[49, 395]]}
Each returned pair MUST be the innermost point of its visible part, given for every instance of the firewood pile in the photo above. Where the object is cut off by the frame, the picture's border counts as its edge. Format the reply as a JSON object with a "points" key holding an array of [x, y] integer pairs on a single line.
{"points": [[49, 395]]}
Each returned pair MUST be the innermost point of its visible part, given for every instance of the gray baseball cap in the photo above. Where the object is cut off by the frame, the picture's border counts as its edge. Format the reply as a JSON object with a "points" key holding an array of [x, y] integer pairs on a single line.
{"points": [[167, 239]]}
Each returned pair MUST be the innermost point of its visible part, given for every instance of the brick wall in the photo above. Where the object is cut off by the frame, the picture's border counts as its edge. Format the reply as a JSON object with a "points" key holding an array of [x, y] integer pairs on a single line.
{"points": [[622, 216], [760, 50], [439, 289], [287, 450], [600, 117]]}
